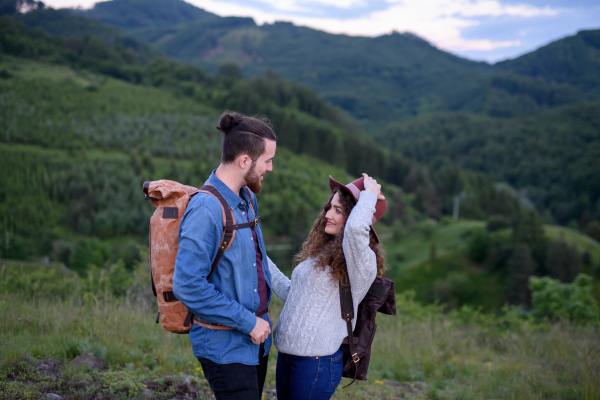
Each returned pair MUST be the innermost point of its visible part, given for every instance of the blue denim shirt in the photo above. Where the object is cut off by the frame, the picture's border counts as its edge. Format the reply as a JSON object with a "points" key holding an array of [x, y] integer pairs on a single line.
{"points": [[230, 298]]}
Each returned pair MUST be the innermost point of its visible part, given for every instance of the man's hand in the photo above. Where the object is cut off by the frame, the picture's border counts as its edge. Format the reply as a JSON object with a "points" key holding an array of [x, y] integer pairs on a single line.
{"points": [[261, 331]]}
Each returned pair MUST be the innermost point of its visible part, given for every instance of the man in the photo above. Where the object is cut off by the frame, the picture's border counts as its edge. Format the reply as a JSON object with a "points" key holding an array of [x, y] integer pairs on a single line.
{"points": [[231, 336]]}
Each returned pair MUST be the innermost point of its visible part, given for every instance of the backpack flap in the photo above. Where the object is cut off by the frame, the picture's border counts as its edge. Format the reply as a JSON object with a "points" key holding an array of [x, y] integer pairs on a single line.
{"points": [[171, 200]]}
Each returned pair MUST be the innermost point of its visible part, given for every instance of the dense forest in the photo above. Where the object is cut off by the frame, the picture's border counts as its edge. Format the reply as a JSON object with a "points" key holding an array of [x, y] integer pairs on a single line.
{"points": [[88, 115], [552, 156], [391, 76], [399, 88]]}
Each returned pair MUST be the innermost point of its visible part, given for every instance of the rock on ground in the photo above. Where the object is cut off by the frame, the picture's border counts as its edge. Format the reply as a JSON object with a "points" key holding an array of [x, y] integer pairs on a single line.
{"points": [[90, 361], [49, 367]]}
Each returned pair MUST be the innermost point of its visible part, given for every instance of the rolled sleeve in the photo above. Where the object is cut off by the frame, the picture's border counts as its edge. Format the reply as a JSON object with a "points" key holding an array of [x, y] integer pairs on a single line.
{"points": [[198, 246]]}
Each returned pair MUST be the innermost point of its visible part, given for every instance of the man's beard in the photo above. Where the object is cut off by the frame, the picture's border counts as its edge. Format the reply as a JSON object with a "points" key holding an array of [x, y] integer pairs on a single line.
{"points": [[253, 179]]}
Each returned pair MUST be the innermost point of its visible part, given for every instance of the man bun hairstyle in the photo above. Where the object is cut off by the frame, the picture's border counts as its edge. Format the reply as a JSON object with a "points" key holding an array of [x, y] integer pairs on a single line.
{"points": [[244, 135]]}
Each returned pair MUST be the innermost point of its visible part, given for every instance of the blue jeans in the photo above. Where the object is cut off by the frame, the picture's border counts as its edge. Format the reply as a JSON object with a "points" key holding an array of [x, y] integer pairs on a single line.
{"points": [[308, 378]]}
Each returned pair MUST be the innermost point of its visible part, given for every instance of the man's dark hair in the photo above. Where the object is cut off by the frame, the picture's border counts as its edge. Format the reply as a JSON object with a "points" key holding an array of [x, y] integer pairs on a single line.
{"points": [[244, 135]]}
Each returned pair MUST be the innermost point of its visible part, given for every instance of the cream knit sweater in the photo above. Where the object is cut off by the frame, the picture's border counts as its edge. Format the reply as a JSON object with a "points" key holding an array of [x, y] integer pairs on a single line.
{"points": [[310, 324]]}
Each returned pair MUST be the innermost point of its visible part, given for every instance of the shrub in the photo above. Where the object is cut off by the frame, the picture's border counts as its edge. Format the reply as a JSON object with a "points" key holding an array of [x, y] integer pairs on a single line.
{"points": [[567, 301], [478, 246], [593, 230], [497, 222]]}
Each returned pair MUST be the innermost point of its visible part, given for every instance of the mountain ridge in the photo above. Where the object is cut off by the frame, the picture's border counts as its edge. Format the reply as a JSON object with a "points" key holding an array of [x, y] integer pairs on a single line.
{"points": [[388, 77]]}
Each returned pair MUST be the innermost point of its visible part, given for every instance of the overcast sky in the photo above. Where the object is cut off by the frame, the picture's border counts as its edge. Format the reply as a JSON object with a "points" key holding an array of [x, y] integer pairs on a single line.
{"points": [[489, 30]]}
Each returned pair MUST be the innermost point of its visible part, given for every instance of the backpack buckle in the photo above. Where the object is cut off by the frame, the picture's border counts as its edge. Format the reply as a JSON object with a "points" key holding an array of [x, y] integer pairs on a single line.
{"points": [[255, 222], [355, 358]]}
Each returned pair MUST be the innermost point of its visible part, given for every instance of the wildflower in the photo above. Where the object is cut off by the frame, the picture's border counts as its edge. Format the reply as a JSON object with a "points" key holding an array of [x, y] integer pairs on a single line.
{"points": [[379, 382], [156, 358], [197, 368]]}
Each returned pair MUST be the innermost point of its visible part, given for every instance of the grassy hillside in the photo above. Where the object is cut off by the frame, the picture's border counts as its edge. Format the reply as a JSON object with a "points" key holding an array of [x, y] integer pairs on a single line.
{"points": [[440, 262], [419, 354]]}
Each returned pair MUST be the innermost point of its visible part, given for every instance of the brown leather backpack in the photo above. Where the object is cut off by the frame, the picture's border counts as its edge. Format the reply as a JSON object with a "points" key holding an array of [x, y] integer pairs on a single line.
{"points": [[357, 346], [171, 200]]}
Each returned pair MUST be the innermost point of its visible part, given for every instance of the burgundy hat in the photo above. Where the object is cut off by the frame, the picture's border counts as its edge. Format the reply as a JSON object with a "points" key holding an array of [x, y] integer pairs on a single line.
{"points": [[354, 188]]}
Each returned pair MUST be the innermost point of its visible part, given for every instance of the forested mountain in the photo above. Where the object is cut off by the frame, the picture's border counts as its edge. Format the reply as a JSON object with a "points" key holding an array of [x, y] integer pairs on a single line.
{"points": [[135, 14], [66, 24], [574, 60], [383, 78], [82, 125], [554, 155]]}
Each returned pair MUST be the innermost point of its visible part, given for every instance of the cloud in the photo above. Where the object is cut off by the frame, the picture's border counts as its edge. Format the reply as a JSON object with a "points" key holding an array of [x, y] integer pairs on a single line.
{"points": [[438, 21], [307, 5], [441, 22]]}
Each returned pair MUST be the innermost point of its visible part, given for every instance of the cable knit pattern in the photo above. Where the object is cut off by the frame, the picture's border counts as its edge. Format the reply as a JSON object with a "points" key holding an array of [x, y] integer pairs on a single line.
{"points": [[310, 324]]}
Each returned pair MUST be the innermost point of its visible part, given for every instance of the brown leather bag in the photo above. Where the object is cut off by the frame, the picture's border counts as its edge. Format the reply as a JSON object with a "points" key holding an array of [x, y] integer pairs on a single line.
{"points": [[357, 346], [171, 200]]}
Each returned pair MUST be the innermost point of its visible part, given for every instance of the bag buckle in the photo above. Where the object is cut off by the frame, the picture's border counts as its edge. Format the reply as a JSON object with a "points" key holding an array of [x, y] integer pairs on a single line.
{"points": [[355, 358], [255, 222]]}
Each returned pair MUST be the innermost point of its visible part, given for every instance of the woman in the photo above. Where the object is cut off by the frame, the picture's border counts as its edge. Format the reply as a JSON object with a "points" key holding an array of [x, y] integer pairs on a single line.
{"points": [[310, 330]]}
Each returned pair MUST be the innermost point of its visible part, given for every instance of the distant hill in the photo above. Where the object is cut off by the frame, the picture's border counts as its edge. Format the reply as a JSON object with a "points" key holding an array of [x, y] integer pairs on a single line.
{"points": [[552, 154], [574, 60], [135, 14], [376, 80], [396, 75], [518, 125], [67, 24]]}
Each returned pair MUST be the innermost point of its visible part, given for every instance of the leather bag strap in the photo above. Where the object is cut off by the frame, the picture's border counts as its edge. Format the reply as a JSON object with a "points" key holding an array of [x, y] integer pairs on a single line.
{"points": [[249, 193], [347, 308], [229, 228]]}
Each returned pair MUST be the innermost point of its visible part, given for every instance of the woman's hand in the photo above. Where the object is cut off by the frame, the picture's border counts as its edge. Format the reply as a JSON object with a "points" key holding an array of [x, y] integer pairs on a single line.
{"points": [[372, 186]]}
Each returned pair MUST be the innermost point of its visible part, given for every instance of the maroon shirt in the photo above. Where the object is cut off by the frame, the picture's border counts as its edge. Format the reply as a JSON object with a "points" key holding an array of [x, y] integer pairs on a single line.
{"points": [[263, 293]]}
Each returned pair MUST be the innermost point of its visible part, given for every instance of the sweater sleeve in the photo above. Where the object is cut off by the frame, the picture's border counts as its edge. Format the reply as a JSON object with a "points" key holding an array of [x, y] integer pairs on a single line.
{"points": [[360, 258], [280, 283]]}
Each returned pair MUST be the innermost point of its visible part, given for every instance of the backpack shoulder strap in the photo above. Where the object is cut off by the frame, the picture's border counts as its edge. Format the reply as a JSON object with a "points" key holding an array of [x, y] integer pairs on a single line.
{"points": [[249, 193], [228, 226]]}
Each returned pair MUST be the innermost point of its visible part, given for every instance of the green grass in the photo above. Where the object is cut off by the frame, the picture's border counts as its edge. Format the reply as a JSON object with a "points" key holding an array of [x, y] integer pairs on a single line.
{"points": [[582, 242], [451, 277], [413, 247], [462, 355], [28, 70]]}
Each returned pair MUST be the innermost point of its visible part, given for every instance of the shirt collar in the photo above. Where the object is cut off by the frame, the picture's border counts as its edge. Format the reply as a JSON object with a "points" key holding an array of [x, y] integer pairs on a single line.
{"points": [[230, 197]]}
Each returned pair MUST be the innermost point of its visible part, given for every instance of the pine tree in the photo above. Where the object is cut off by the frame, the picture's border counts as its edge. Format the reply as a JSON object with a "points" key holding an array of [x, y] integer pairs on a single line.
{"points": [[530, 231], [521, 266], [563, 261]]}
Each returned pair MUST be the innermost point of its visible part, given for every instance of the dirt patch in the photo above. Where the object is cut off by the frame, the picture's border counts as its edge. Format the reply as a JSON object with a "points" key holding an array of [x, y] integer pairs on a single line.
{"points": [[49, 367], [178, 390], [90, 361]]}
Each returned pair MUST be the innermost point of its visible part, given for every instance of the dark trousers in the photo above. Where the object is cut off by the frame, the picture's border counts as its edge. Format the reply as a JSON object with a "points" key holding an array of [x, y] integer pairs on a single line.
{"points": [[236, 381]]}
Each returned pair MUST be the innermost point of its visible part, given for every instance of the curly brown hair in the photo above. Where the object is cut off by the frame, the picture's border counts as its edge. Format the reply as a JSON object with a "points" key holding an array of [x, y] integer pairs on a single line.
{"points": [[327, 249]]}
